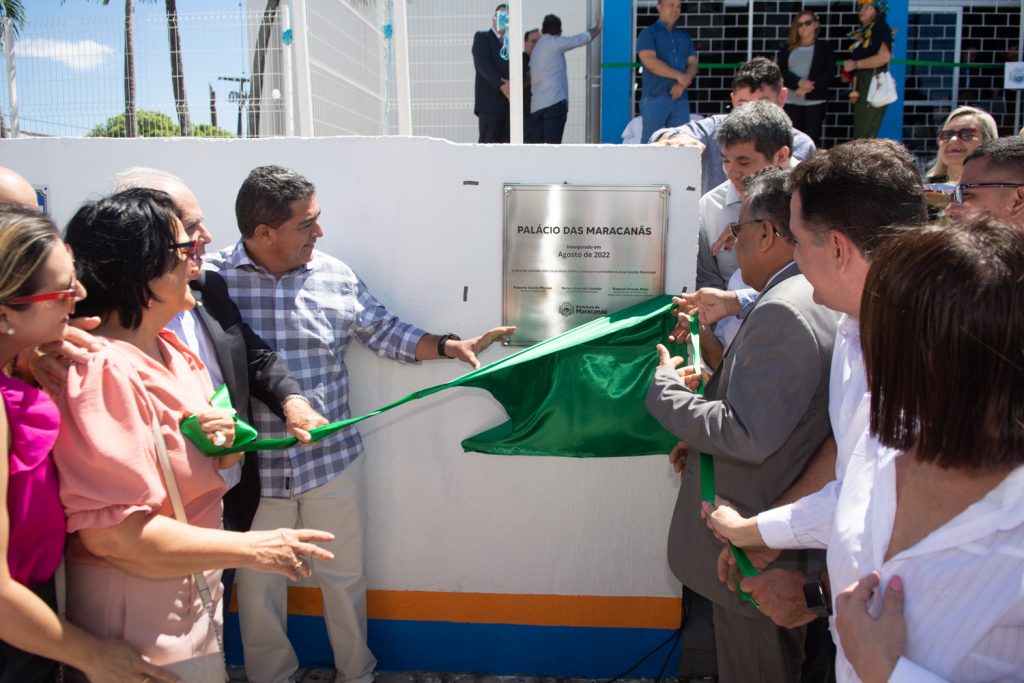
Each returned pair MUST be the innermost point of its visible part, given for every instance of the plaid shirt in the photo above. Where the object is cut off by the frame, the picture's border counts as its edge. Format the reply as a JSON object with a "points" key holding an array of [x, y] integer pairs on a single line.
{"points": [[309, 316]]}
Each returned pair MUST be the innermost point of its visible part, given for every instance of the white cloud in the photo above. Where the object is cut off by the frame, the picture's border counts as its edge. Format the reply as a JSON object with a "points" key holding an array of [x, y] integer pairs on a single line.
{"points": [[81, 55]]}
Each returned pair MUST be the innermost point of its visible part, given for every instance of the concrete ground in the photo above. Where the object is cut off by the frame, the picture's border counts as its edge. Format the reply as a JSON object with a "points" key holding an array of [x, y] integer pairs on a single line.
{"points": [[237, 675]]}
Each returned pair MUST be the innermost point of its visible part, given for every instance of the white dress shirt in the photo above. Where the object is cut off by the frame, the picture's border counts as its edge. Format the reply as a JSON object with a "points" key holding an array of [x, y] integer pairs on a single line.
{"points": [[805, 522], [188, 329], [963, 583]]}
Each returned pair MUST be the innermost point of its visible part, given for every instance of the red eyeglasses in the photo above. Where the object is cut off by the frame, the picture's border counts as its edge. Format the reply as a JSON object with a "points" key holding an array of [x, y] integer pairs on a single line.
{"points": [[190, 249], [69, 294]]}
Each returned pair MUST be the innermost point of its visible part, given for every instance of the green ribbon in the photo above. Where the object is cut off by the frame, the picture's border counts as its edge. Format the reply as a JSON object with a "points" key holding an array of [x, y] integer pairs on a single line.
{"points": [[600, 369], [707, 472]]}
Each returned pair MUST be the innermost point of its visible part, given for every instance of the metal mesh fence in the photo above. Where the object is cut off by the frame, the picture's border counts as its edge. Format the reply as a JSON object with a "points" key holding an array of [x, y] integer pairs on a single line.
{"points": [[71, 76]]}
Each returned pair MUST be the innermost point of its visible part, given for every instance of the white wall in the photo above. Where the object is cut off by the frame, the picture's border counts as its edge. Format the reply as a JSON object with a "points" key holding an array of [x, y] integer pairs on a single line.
{"points": [[398, 211]]}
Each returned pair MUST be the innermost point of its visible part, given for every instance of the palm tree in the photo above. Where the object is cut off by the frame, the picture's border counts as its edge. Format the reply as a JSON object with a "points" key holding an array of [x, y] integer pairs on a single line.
{"points": [[14, 11], [177, 68]]}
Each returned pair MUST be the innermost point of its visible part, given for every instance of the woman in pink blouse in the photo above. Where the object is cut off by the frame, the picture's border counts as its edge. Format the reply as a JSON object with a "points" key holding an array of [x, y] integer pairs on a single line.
{"points": [[134, 570], [38, 291]]}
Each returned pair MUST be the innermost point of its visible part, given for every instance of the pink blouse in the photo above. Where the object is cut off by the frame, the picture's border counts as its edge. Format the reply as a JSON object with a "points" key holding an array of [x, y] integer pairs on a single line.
{"points": [[36, 541], [105, 451]]}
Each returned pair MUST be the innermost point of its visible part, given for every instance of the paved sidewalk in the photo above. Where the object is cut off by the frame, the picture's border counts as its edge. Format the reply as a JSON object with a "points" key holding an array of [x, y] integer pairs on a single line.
{"points": [[237, 675]]}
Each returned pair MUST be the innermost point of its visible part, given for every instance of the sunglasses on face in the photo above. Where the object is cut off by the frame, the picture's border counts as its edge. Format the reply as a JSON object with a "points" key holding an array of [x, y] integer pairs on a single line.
{"points": [[189, 250], [962, 134], [805, 22], [958, 191], [69, 294]]}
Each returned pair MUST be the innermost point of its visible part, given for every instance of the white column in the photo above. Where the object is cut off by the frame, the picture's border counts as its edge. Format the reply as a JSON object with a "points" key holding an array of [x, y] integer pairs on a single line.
{"points": [[303, 87], [515, 69], [403, 91], [287, 78], [12, 89]]}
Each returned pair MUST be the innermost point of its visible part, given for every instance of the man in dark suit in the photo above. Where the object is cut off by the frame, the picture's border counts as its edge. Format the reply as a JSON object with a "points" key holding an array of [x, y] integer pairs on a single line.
{"points": [[491, 89], [763, 416]]}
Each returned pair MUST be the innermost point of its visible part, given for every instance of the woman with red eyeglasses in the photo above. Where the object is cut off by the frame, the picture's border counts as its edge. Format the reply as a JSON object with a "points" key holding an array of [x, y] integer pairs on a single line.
{"points": [[143, 504], [38, 291]]}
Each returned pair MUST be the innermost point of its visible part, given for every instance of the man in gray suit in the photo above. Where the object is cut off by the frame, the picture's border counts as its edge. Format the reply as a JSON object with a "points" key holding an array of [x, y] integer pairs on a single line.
{"points": [[763, 416]]}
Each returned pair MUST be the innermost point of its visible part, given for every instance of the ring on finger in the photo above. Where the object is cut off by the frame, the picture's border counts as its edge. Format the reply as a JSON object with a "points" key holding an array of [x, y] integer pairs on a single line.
{"points": [[299, 564]]}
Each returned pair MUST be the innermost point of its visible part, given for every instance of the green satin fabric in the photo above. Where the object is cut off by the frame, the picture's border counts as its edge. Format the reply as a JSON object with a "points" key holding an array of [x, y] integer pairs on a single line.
{"points": [[580, 394], [707, 475]]}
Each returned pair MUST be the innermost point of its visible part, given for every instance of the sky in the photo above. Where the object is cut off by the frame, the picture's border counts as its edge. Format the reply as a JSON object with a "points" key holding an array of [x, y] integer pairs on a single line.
{"points": [[69, 62]]}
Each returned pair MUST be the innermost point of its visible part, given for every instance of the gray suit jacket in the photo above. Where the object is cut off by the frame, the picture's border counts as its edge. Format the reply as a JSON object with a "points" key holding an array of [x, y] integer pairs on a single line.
{"points": [[763, 415]]}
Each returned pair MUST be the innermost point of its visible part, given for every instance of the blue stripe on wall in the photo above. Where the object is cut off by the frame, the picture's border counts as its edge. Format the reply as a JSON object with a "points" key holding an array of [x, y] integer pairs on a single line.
{"points": [[898, 18], [485, 648]]}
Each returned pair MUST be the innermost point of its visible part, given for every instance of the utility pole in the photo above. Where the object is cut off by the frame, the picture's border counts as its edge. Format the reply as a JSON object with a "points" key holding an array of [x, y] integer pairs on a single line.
{"points": [[240, 96], [213, 106]]}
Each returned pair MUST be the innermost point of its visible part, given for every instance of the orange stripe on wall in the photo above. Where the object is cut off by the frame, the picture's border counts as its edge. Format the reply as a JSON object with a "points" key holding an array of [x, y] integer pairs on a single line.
{"points": [[500, 608]]}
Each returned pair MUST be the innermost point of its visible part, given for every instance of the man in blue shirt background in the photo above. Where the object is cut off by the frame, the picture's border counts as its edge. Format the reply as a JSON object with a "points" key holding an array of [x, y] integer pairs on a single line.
{"points": [[670, 65]]}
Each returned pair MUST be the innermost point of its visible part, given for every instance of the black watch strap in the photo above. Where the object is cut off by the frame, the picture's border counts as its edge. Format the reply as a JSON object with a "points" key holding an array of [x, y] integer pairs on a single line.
{"points": [[442, 340], [815, 598]]}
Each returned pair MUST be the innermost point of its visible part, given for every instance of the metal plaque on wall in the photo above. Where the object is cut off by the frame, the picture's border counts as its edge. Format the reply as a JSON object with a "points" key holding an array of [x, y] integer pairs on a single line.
{"points": [[574, 253]]}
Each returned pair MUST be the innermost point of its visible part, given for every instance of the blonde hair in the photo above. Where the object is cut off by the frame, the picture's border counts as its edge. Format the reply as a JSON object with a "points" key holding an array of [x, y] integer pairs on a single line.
{"points": [[26, 237], [794, 31], [989, 131]]}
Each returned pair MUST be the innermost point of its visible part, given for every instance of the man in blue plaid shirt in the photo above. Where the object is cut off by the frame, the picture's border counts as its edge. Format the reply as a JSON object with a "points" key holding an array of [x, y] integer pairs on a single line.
{"points": [[310, 306]]}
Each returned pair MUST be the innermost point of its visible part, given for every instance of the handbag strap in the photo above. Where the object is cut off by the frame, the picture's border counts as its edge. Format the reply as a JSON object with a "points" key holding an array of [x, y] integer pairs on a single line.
{"points": [[171, 482], [202, 585]]}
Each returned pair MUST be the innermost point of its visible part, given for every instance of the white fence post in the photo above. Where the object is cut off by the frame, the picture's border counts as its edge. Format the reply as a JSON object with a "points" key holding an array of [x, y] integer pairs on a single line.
{"points": [[12, 89], [303, 88]]}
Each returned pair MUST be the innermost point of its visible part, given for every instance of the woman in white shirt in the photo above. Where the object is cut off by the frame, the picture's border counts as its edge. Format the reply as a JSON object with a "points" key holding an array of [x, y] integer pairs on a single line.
{"points": [[927, 536]]}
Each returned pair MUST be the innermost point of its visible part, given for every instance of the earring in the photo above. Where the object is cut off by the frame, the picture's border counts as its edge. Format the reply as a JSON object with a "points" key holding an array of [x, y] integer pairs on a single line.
{"points": [[7, 324]]}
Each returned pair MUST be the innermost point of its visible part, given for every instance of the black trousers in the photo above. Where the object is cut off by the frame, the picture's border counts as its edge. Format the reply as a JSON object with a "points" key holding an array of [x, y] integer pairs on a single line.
{"points": [[494, 126], [810, 119]]}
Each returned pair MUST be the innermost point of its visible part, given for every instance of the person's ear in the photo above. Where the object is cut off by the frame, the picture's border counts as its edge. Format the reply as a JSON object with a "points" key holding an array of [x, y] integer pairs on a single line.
{"points": [[783, 94], [768, 235], [781, 158], [264, 233], [1015, 209]]}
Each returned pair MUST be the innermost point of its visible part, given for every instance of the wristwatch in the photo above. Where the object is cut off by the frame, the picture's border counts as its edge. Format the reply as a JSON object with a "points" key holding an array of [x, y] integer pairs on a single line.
{"points": [[444, 339], [816, 599]]}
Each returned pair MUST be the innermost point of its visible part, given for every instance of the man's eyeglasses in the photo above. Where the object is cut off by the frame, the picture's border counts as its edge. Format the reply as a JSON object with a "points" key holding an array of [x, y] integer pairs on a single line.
{"points": [[190, 249], [69, 294], [963, 134], [958, 191], [805, 22], [735, 227]]}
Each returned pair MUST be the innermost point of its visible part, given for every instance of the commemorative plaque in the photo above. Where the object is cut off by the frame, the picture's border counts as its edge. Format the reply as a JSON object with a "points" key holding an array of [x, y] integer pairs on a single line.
{"points": [[573, 253]]}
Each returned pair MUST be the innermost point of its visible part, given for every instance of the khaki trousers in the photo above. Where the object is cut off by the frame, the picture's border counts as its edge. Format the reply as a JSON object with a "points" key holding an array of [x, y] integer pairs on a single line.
{"points": [[339, 506]]}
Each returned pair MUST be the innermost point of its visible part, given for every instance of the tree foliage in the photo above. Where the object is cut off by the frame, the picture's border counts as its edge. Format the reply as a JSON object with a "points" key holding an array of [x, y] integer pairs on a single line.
{"points": [[153, 124]]}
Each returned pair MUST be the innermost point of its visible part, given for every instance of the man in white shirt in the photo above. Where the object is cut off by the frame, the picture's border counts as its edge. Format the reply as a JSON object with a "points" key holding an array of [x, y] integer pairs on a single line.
{"points": [[549, 81]]}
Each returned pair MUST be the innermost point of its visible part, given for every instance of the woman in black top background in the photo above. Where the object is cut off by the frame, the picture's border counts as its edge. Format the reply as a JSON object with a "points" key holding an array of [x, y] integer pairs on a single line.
{"points": [[808, 66]]}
